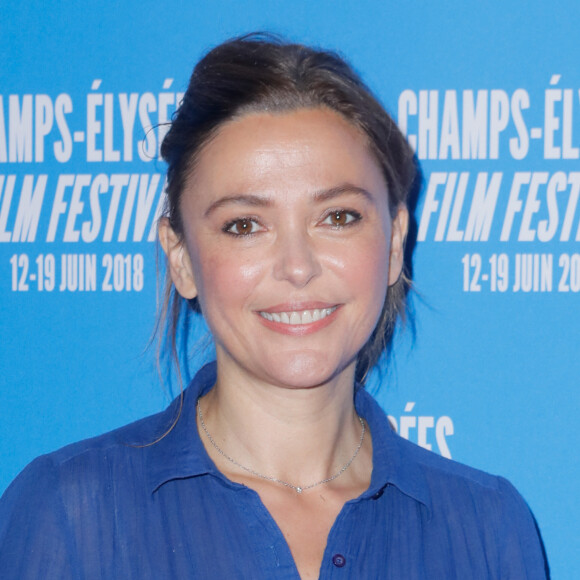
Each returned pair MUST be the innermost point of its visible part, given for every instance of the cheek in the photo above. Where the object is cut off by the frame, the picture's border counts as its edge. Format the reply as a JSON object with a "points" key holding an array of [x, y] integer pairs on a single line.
{"points": [[224, 279], [374, 278], [366, 270]]}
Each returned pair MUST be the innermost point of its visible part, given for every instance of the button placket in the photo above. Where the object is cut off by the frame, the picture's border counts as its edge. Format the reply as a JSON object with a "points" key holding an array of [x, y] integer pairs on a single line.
{"points": [[339, 560]]}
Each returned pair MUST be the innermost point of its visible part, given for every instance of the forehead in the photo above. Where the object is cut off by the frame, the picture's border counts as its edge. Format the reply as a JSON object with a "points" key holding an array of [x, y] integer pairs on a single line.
{"points": [[272, 151]]}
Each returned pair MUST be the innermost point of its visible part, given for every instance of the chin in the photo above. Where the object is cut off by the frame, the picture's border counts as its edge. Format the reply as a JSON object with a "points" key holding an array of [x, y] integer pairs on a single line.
{"points": [[304, 371]]}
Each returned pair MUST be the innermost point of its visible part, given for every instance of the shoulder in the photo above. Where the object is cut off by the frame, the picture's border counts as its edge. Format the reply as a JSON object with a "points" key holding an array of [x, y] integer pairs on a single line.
{"points": [[445, 482], [136, 435], [420, 471], [85, 464], [43, 511], [440, 469], [467, 504], [467, 516], [442, 472], [120, 456]]}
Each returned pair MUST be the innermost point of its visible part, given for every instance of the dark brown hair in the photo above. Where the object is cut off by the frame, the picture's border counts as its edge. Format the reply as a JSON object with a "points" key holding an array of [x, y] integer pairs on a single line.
{"points": [[259, 73]]}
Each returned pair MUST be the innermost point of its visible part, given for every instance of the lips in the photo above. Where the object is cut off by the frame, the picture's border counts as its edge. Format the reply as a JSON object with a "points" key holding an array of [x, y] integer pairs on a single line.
{"points": [[298, 317]]}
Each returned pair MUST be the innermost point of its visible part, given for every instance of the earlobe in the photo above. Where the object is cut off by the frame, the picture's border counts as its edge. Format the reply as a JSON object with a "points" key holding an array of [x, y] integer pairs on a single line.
{"points": [[178, 260], [399, 229]]}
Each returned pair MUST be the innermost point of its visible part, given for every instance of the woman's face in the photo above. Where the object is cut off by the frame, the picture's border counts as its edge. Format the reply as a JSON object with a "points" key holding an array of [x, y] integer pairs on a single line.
{"points": [[288, 244]]}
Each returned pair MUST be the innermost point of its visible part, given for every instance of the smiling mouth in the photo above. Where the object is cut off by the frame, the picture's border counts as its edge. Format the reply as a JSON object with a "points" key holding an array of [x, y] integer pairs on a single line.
{"points": [[297, 317]]}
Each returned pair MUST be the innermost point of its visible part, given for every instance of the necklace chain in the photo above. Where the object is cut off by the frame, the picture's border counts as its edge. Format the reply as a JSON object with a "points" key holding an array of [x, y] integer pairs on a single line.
{"points": [[297, 488]]}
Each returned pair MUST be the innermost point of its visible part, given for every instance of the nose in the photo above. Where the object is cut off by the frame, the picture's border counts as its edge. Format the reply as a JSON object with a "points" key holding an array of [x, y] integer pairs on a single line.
{"points": [[296, 260]]}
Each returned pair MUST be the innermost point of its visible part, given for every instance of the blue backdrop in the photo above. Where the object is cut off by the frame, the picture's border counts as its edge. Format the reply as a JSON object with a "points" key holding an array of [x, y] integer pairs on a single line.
{"points": [[489, 96]]}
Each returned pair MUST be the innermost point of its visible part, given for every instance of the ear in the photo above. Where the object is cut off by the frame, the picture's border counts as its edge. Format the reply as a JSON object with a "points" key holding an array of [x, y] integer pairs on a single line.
{"points": [[399, 228], [178, 260]]}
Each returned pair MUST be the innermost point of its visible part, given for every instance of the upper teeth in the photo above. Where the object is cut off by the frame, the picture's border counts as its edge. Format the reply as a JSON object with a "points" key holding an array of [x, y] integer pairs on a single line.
{"points": [[298, 317]]}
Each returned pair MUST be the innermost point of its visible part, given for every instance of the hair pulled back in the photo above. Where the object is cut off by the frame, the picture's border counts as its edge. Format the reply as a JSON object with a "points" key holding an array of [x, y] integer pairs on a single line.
{"points": [[262, 73]]}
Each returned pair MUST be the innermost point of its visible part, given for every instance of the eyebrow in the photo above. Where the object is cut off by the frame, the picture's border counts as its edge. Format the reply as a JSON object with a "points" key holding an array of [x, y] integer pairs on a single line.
{"points": [[343, 189], [260, 201], [242, 199]]}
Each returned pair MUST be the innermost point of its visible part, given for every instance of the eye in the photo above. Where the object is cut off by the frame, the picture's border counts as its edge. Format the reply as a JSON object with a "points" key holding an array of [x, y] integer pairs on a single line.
{"points": [[242, 227], [341, 217]]}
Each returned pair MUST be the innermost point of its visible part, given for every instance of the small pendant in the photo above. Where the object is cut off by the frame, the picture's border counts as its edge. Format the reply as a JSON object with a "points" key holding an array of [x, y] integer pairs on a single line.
{"points": [[298, 490]]}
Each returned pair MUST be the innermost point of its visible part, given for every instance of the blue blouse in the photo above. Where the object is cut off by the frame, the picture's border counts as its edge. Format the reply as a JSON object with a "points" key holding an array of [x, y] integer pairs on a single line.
{"points": [[104, 508]]}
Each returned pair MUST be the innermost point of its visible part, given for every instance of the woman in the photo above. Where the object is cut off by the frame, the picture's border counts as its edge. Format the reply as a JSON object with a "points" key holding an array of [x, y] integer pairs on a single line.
{"points": [[285, 226]]}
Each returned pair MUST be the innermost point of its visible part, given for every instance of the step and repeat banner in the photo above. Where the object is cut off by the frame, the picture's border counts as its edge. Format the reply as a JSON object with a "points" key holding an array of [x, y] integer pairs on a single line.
{"points": [[486, 371]]}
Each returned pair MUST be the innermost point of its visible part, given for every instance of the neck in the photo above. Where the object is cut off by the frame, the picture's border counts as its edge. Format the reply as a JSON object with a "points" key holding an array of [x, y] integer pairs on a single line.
{"points": [[296, 435]]}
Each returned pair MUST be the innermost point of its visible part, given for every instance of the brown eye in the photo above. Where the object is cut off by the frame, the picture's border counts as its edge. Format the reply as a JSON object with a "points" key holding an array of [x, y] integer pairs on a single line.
{"points": [[338, 218], [241, 227], [341, 217]]}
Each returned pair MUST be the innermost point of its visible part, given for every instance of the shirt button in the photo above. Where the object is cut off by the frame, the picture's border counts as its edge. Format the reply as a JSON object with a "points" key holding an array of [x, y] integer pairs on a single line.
{"points": [[378, 494], [338, 560]]}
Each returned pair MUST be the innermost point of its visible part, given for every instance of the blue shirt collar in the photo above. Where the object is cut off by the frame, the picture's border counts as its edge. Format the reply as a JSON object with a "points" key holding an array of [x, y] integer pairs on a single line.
{"points": [[181, 454], [393, 458]]}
